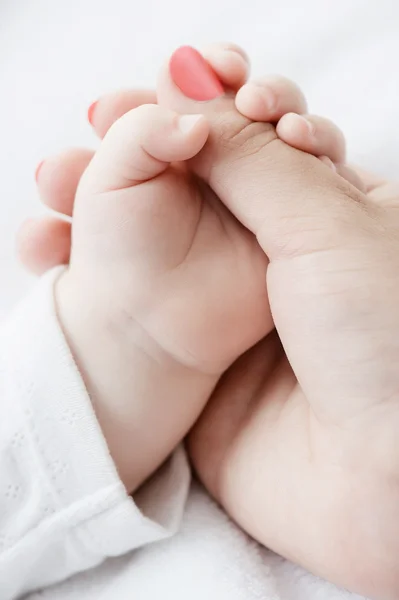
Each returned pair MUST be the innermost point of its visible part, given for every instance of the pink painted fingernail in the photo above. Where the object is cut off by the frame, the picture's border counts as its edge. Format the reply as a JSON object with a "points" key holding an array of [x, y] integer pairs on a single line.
{"points": [[39, 166], [194, 76], [90, 112]]}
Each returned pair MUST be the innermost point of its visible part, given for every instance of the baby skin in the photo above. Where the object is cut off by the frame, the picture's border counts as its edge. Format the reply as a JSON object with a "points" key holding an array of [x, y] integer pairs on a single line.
{"points": [[181, 280], [166, 289]]}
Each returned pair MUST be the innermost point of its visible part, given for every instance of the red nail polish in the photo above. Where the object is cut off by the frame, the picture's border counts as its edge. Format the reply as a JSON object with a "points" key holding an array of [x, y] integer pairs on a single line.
{"points": [[194, 76], [90, 112], [39, 166]]}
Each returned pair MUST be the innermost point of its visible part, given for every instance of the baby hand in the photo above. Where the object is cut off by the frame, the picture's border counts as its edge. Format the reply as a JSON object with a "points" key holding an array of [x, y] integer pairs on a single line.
{"points": [[141, 297]]}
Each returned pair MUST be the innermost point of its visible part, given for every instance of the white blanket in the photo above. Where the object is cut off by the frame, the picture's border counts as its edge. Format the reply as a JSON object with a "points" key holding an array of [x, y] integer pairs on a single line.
{"points": [[57, 57]]}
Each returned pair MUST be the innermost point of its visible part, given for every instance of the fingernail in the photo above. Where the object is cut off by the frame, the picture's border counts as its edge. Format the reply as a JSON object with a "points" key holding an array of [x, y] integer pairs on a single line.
{"points": [[90, 112], [264, 94], [194, 76], [188, 122], [39, 166], [310, 127]]}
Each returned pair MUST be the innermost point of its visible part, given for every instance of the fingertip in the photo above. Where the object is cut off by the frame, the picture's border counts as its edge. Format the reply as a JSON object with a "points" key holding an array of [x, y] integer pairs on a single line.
{"points": [[42, 244], [313, 134], [228, 46], [255, 102], [269, 99], [38, 169], [59, 178], [141, 145], [107, 109], [293, 129], [90, 112], [230, 63]]}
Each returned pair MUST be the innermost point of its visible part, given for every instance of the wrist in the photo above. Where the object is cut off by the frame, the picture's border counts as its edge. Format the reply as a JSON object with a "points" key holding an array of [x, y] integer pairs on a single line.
{"points": [[144, 400]]}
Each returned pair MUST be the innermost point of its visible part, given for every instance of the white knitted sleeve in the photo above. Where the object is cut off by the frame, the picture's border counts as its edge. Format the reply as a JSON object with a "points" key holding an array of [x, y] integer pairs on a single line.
{"points": [[63, 508]]}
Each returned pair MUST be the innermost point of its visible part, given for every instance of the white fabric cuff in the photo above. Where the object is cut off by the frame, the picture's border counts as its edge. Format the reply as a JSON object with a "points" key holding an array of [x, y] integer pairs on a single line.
{"points": [[83, 493]]}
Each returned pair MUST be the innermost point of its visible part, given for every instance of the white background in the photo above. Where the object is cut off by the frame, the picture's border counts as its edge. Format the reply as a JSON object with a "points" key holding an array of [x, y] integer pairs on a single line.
{"points": [[57, 56]]}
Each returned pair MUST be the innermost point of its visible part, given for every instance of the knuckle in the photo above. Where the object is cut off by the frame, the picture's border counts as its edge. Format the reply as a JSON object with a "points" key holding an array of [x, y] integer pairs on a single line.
{"points": [[345, 220], [141, 120], [145, 112], [242, 138]]}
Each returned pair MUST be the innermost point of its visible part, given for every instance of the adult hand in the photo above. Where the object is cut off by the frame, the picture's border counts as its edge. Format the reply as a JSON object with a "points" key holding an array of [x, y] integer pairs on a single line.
{"points": [[300, 442]]}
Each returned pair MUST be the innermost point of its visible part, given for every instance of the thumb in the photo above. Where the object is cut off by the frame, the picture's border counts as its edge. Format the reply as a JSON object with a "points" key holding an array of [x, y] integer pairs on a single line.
{"points": [[290, 200]]}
